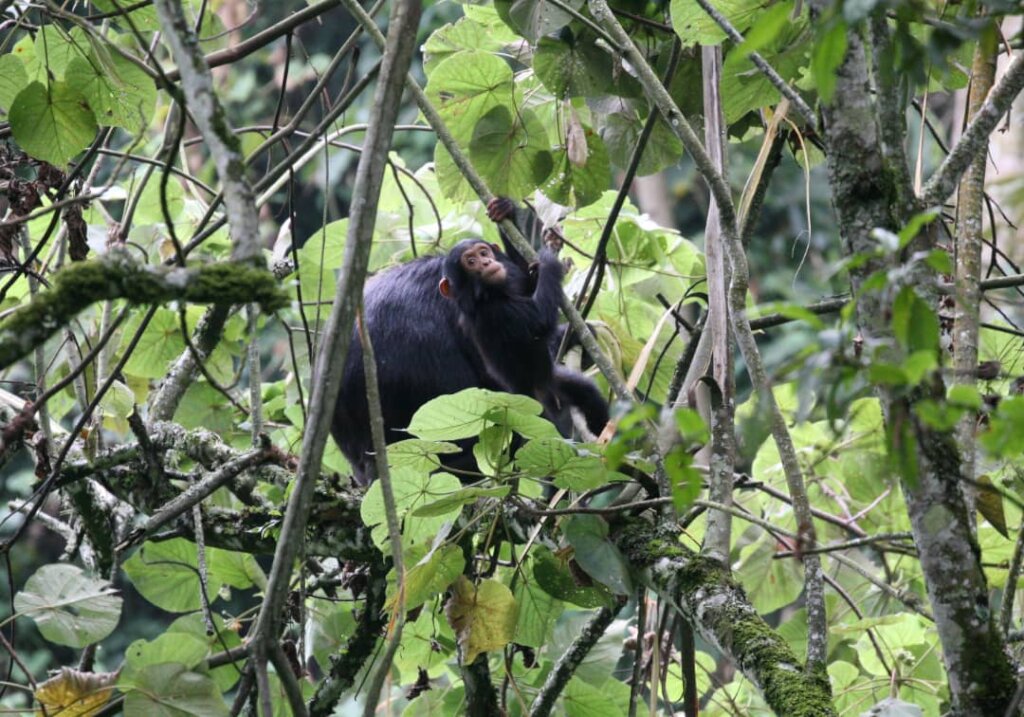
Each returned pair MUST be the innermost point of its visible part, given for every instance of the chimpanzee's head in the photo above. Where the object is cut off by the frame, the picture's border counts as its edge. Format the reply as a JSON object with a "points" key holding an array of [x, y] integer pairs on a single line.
{"points": [[473, 264]]}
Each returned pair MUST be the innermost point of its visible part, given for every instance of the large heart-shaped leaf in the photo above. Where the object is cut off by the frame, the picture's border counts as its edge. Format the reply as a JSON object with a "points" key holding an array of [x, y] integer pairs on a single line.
{"points": [[52, 123], [69, 607]]}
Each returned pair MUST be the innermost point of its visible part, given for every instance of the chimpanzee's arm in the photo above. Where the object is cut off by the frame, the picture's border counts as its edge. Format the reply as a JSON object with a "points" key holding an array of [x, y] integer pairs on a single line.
{"points": [[501, 208], [548, 295]]}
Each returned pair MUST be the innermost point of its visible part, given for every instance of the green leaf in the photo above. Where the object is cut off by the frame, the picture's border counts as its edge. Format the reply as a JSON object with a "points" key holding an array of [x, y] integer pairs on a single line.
{"points": [[178, 647], [52, 123], [691, 425], [319, 260], [54, 48], [431, 576], [990, 505], [69, 607], [828, 53], [172, 690], [914, 322], [411, 489], [116, 405], [538, 611], [745, 88], [418, 454], [144, 18], [167, 575], [579, 68], [583, 699], [427, 643], [13, 79], [194, 625], [119, 92], [577, 184], [965, 395], [511, 153], [237, 569], [685, 480], [770, 584], [466, 413], [588, 535], [491, 450], [557, 459], [205, 407], [918, 365], [483, 616], [465, 87], [447, 504], [466, 34], [620, 132], [537, 18], [696, 27], [940, 260], [902, 447], [1005, 436], [160, 344], [770, 24], [940, 416], [553, 576], [886, 374], [915, 225]]}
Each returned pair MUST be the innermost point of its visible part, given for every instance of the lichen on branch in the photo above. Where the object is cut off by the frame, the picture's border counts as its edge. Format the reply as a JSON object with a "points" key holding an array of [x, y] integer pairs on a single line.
{"points": [[115, 276]]}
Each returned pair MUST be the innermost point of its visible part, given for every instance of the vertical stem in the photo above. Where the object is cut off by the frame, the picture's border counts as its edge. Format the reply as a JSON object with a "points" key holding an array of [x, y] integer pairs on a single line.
{"points": [[380, 458], [969, 243], [723, 454], [255, 377], [337, 335]]}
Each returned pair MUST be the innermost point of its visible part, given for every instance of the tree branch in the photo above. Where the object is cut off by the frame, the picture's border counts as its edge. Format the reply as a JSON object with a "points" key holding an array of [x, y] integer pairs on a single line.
{"points": [[117, 276], [975, 137], [766, 69], [817, 618], [704, 592], [211, 118], [337, 334]]}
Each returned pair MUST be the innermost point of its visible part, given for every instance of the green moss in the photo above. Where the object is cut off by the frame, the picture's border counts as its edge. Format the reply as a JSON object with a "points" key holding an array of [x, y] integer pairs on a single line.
{"points": [[115, 276], [731, 620]]}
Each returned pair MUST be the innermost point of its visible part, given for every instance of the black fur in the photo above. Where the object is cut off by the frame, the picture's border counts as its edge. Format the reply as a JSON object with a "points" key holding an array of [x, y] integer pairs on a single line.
{"points": [[514, 327], [421, 354], [425, 349]]}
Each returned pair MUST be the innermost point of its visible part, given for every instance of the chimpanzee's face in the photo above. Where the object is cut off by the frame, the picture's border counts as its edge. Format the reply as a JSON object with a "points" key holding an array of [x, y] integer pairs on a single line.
{"points": [[479, 260]]}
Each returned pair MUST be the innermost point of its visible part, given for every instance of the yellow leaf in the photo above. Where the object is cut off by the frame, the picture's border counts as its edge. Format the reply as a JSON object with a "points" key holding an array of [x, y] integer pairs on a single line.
{"points": [[71, 693], [990, 505], [483, 616]]}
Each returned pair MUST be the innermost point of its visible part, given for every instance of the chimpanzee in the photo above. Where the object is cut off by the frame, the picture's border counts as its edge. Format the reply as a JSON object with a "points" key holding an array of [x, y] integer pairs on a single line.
{"points": [[513, 320], [423, 351]]}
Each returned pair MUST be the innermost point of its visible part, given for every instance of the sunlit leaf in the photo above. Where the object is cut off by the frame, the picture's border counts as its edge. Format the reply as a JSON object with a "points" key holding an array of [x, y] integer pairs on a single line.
{"points": [[72, 693], [483, 616], [13, 79]]}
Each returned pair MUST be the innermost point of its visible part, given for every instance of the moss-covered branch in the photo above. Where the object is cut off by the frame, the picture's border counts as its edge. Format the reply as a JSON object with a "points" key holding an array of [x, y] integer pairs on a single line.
{"points": [[115, 276], [720, 612]]}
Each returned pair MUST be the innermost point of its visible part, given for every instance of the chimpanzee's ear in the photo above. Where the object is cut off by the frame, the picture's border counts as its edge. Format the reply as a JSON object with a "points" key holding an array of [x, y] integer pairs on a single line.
{"points": [[445, 287]]}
